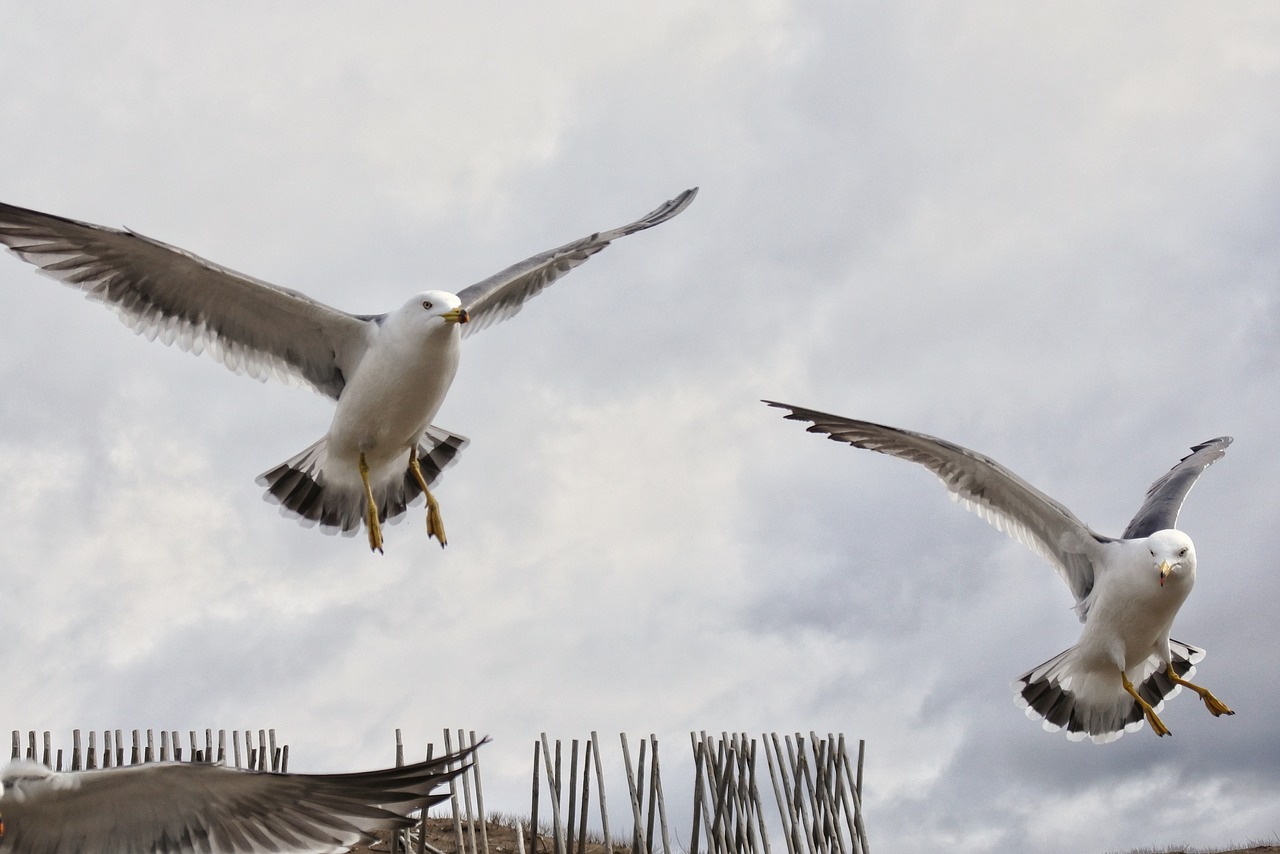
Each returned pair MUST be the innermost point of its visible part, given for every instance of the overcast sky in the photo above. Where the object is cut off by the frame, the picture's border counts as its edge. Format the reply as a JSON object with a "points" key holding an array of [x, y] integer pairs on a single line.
{"points": [[1049, 232]]}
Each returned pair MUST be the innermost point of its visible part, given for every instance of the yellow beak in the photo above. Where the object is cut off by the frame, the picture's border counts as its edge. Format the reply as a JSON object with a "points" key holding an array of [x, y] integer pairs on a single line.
{"points": [[457, 315], [1165, 569]]}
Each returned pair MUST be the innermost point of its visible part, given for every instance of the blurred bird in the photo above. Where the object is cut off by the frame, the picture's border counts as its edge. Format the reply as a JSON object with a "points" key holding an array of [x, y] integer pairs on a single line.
{"points": [[389, 373], [185, 808], [1127, 590]]}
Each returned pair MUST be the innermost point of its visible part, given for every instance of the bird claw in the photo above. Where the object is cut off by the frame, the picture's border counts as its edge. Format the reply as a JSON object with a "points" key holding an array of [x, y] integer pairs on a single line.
{"points": [[371, 509], [435, 528], [1157, 725], [375, 532], [1216, 707], [435, 522]]}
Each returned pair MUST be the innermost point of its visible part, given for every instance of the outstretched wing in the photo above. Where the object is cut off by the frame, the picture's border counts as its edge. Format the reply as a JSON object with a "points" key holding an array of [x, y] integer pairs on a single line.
{"points": [[984, 486], [177, 808], [165, 292], [1164, 499], [503, 294]]}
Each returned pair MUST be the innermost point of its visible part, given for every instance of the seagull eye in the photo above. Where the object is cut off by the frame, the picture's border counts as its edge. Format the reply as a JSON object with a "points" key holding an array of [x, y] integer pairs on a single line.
{"points": [[1182, 553], [426, 303]]}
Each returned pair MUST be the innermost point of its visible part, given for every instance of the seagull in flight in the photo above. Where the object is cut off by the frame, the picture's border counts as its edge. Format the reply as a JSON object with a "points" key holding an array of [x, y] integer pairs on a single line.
{"points": [[190, 807], [388, 373], [1127, 590]]}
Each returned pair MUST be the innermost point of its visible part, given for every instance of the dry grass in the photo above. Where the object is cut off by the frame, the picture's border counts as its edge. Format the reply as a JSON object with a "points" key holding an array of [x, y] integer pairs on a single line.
{"points": [[1248, 848], [501, 830]]}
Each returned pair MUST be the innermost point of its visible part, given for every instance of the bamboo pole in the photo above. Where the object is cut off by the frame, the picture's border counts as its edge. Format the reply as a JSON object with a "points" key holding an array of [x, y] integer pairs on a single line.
{"points": [[857, 797], [830, 827], [651, 818], [635, 804], [475, 773], [657, 795], [782, 793], [553, 788], [638, 845], [842, 795], [586, 793], [573, 795], [466, 797], [533, 818], [604, 810], [699, 760], [453, 798]]}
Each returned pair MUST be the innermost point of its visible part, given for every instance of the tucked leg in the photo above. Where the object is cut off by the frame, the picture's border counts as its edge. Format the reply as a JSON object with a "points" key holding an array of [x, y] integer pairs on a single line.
{"points": [[1157, 725], [435, 522], [371, 517], [1215, 706]]}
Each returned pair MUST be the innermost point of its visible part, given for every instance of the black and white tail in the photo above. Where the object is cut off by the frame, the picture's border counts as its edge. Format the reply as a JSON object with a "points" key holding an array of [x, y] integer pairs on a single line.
{"points": [[1095, 705], [301, 489]]}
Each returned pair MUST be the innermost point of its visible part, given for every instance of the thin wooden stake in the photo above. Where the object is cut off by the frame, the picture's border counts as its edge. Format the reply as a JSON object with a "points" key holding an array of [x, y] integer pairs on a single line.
{"points": [[699, 760], [453, 799], [586, 792], [657, 795], [573, 796], [475, 773], [533, 818], [604, 810], [553, 788], [466, 796], [636, 841]]}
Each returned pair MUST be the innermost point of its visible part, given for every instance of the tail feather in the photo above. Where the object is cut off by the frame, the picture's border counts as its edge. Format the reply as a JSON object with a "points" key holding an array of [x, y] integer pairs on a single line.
{"points": [[1095, 705], [301, 489]]}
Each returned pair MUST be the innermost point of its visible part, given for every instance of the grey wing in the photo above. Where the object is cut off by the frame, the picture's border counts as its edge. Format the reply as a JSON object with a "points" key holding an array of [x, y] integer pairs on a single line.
{"points": [[165, 292], [1164, 499], [503, 294], [984, 486], [183, 808]]}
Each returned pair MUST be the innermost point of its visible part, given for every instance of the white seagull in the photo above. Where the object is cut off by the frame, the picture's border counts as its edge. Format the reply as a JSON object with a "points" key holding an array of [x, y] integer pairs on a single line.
{"points": [[1127, 590], [389, 373], [186, 807]]}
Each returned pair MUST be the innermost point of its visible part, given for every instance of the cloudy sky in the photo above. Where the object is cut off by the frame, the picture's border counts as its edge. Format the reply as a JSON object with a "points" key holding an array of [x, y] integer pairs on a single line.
{"points": [[1049, 232]]}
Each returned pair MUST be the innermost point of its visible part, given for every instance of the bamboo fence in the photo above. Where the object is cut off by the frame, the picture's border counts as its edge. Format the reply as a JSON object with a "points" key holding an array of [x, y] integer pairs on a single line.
{"points": [[266, 756], [815, 783]]}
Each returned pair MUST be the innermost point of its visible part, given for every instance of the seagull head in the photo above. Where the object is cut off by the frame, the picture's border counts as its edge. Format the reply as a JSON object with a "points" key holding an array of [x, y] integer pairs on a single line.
{"points": [[1172, 554], [430, 308]]}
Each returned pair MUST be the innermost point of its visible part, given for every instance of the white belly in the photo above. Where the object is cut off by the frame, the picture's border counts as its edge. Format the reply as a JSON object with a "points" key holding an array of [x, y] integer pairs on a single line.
{"points": [[389, 401], [1132, 615]]}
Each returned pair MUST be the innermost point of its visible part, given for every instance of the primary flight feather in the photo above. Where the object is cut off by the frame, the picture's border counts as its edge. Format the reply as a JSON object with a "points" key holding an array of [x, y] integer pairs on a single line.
{"points": [[197, 808]]}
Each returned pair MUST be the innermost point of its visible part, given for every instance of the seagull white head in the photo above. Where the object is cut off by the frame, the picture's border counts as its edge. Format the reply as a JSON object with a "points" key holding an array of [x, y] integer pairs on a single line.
{"points": [[1172, 554], [426, 307]]}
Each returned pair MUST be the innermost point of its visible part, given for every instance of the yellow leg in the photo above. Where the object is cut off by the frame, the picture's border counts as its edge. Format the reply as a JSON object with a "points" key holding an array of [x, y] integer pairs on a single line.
{"points": [[435, 522], [1215, 706], [1157, 725], [371, 516]]}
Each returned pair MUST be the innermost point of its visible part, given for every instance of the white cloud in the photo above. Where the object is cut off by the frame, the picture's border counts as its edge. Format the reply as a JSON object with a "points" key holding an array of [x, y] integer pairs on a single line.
{"points": [[1047, 233]]}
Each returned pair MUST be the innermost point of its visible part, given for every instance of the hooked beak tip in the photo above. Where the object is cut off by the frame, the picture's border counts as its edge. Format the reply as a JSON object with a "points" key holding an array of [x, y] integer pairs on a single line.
{"points": [[1165, 569]]}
